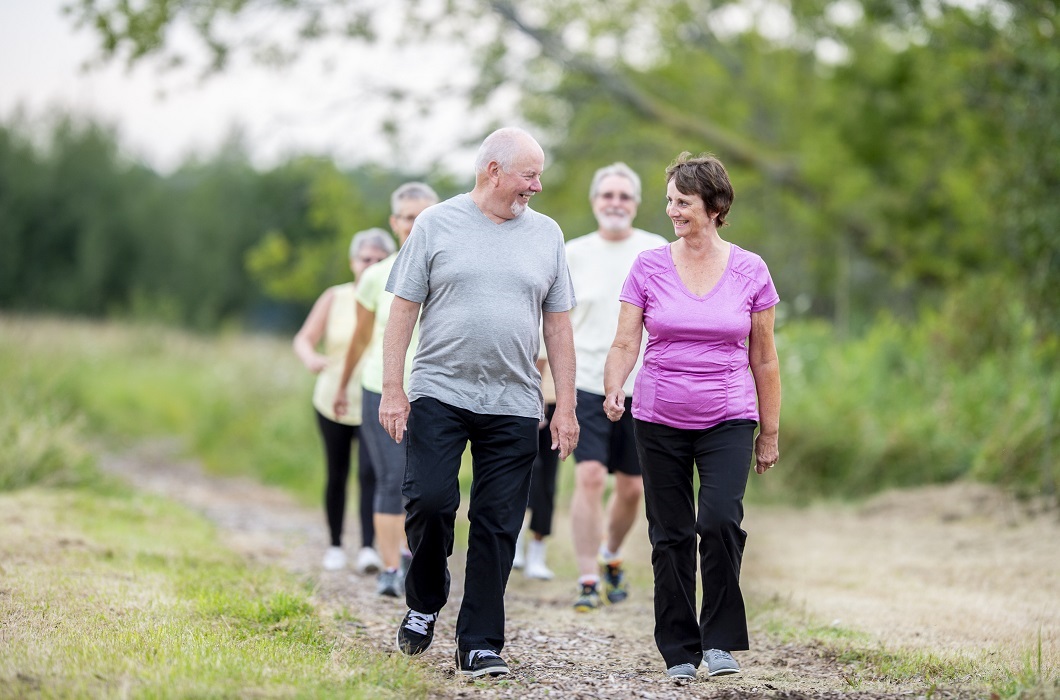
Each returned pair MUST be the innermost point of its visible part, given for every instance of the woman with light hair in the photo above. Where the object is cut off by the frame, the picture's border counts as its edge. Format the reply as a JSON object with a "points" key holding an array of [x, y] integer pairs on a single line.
{"points": [[330, 326]]}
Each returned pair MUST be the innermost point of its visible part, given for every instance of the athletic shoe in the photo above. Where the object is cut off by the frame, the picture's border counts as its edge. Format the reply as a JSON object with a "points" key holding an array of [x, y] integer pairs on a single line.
{"points": [[614, 579], [480, 662], [416, 632], [682, 672], [520, 550], [334, 559], [389, 584], [720, 663], [588, 599], [368, 562], [535, 561]]}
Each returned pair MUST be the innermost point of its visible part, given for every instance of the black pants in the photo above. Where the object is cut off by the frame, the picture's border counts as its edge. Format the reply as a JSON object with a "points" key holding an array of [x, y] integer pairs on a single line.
{"points": [[543, 480], [722, 456], [338, 443], [502, 451]]}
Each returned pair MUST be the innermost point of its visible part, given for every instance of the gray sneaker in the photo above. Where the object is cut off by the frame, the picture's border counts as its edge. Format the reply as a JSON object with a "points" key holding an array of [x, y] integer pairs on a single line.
{"points": [[389, 584], [720, 663], [682, 672]]}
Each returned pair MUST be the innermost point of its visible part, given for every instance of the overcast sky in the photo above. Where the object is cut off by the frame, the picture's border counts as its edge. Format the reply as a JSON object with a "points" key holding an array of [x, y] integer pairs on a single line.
{"points": [[325, 104]]}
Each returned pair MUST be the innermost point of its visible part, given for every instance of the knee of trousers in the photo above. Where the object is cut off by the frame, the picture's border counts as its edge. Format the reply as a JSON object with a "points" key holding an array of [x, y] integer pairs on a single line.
{"points": [[432, 505], [716, 526]]}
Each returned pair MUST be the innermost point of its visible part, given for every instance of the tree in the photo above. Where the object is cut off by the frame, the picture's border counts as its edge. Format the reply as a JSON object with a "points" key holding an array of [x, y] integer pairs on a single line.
{"points": [[865, 135]]}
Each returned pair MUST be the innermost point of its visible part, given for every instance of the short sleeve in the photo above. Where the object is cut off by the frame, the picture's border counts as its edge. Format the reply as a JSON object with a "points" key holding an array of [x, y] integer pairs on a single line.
{"points": [[767, 293], [410, 278], [370, 287], [633, 289], [560, 295]]}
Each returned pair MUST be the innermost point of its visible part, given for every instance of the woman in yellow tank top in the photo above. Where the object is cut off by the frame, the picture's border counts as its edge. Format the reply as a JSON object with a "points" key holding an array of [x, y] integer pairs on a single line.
{"points": [[330, 326]]}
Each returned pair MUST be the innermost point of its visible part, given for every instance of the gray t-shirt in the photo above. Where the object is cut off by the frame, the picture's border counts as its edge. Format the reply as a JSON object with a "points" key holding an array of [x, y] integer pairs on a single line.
{"points": [[483, 287]]}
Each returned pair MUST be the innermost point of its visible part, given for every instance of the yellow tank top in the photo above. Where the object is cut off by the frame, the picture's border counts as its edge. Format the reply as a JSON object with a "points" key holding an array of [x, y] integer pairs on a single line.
{"points": [[338, 332]]}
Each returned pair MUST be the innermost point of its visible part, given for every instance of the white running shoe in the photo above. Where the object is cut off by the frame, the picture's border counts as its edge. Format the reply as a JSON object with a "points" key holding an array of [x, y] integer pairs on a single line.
{"points": [[368, 562], [520, 550], [535, 561], [334, 559]]}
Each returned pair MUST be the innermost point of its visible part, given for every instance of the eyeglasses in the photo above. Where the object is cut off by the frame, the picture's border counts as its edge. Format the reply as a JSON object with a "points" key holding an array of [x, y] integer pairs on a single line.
{"points": [[369, 260], [622, 196]]}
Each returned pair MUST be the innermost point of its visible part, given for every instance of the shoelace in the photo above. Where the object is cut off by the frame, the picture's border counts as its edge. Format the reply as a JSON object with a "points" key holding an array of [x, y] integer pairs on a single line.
{"points": [[418, 622], [476, 654], [718, 655]]}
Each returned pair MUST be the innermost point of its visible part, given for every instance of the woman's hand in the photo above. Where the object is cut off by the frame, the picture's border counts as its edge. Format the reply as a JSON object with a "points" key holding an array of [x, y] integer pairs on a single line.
{"points": [[341, 403], [615, 405], [766, 452], [316, 363]]}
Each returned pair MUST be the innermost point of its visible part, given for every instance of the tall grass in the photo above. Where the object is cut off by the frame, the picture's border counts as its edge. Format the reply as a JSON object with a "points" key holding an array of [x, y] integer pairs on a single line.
{"points": [[906, 404], [242, 403]]}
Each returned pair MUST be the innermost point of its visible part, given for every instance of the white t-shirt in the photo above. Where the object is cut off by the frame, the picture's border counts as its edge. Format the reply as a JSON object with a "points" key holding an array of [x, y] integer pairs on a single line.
{"points": [[598, 268]]}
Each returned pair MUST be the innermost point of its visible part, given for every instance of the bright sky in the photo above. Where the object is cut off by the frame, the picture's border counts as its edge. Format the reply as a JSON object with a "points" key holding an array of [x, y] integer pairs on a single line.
{"points": [[325, 104]]}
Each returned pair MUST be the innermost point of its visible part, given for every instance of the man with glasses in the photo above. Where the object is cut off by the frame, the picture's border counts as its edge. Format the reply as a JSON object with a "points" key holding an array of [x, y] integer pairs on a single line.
{"points": [[599, 263]]}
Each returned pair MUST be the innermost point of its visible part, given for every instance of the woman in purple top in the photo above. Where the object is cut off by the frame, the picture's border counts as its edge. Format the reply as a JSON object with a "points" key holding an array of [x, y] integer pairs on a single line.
{"points": [[708, 307]]}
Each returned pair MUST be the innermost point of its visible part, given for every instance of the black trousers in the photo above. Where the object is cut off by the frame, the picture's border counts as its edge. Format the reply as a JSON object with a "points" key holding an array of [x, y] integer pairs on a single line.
{"points": [[338, 444], [543, 481], [722, 456], [502, 451]]}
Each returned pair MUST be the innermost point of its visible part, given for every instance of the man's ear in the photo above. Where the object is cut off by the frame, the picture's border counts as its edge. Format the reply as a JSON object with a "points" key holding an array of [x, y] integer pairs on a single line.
{"points": [[493, 170]]}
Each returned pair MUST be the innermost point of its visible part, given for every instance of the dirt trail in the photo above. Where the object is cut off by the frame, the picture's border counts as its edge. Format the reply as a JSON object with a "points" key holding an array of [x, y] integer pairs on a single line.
{"points": [[959, 569]]}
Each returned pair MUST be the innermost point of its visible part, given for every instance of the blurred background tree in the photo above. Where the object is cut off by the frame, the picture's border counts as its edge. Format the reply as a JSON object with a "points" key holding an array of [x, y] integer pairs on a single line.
{"points": [[896, 162]]}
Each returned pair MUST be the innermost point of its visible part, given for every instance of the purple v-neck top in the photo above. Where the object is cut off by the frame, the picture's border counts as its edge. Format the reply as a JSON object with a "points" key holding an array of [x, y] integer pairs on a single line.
{"points": [[695, 372]]}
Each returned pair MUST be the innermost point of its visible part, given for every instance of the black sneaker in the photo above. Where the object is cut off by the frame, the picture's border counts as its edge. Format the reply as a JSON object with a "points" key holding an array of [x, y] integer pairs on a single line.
{"points": [[588, 598], [480, 662], [614, 579], [416, 632]]}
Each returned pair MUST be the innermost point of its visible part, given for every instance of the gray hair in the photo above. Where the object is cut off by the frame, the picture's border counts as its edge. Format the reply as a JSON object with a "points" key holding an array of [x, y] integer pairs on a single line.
{"points": [[502, 146], [620, 169], [413, 191], [374, 237]]}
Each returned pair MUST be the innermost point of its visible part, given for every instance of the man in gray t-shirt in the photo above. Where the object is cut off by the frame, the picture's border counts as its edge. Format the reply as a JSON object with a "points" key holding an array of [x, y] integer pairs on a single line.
{"points": [[483, 273]]}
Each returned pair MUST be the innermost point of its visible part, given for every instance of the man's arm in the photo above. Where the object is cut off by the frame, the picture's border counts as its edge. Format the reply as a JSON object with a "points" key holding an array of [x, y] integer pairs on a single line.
{"points": [[559, 344], [394, 406]]}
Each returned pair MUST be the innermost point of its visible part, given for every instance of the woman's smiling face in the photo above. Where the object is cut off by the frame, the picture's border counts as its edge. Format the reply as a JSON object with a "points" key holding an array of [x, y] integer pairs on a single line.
{"points": [[686, 211]]}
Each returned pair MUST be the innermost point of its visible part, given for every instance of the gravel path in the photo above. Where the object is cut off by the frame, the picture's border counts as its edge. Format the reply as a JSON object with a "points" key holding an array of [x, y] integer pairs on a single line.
{"points": [[961, 569]]}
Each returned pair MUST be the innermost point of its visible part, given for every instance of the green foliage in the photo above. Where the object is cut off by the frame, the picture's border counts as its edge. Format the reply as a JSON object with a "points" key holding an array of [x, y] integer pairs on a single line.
{"points": [[241, 403], [965, 392]]}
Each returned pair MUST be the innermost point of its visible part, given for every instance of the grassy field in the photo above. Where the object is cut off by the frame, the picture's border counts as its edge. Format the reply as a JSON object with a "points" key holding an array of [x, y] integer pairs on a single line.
{"points": [[107, 593], [141, 598]]}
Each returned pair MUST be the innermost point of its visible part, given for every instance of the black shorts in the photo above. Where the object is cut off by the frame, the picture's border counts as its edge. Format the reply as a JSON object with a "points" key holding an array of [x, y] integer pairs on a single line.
{"points": [[604, 441]]}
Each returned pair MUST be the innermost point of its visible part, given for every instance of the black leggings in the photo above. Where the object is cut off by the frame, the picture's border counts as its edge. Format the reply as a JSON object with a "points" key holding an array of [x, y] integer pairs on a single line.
{"points": [[338, 441], [543, 480]]}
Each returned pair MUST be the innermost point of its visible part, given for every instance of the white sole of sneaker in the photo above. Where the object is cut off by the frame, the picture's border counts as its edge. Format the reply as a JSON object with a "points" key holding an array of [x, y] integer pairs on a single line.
{"points": [[723, 672], [494, 672]]}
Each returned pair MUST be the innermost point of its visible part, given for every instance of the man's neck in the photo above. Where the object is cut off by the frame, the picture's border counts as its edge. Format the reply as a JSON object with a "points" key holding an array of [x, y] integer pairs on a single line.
{"points": [[615, 236], [497, 213]]}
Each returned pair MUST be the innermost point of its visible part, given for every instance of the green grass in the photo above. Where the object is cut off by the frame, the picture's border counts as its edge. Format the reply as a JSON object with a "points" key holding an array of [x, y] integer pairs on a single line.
{"points": [[141, 599], [242, 403], [108, 594]]}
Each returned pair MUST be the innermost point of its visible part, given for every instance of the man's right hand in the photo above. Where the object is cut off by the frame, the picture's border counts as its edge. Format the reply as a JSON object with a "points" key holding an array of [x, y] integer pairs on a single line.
{"points": [[394, 413]]}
